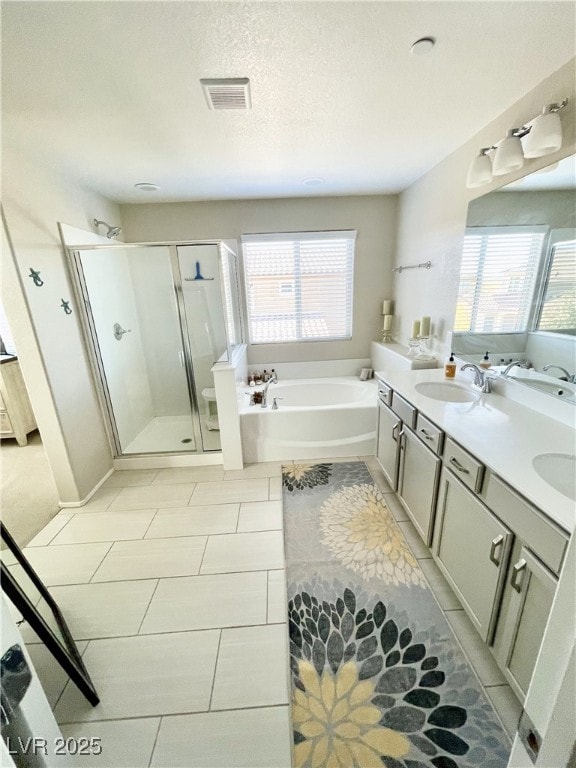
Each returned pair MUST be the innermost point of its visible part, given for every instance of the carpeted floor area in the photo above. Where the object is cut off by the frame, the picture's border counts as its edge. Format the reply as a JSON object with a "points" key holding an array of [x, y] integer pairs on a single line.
{"points": [[378, 678], [28, 496]]}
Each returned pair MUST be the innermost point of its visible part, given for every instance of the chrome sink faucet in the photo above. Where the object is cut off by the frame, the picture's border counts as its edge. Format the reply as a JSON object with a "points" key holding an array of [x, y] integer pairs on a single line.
{"points": [[480, 378], [571, 377], [519, 363], [272, 380]]}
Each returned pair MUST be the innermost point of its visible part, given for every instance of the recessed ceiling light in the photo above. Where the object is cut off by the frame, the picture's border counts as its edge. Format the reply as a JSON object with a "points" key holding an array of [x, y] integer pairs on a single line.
{"points": [[147, 186], [423, 46], [313, 181]]}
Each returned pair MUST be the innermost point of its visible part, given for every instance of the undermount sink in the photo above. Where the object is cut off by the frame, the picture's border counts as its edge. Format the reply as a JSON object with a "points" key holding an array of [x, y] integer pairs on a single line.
{"points": [[559, 471], [559, 388], [449, 393]]}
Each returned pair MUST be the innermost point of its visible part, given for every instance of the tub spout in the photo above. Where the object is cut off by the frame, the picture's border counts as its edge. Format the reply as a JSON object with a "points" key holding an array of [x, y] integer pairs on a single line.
{"points": [[271, 380]]}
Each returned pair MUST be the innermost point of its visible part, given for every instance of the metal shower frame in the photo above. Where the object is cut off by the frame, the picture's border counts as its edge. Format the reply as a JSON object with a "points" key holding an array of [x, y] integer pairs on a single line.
{"points": [[91, 337]]}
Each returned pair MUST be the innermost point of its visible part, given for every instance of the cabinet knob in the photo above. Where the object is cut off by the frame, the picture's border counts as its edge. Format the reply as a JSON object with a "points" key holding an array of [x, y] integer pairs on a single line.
{"points": [[518, 570], [426, 435], [496, 544]]}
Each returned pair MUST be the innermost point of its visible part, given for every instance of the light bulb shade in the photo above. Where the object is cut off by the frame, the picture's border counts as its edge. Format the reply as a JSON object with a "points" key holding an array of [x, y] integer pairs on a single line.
{"points": [[508, 156], [480, 171], [545, 135]]}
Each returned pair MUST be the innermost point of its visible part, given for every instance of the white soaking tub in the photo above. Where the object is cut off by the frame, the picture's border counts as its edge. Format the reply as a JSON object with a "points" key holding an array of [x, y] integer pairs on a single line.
{"points": [[316, 418]]}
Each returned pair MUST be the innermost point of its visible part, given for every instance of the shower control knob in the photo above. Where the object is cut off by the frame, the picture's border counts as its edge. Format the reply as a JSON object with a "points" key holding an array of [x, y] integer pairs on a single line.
{"points": [[119, 331]]}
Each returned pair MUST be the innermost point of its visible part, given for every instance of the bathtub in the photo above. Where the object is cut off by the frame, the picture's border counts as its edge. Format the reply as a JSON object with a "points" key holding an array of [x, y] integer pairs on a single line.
{"points": [[317, 418]]}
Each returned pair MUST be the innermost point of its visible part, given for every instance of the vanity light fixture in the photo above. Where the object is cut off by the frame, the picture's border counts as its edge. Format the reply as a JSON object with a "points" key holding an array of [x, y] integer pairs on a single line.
{"points": [[545, 134], [480, 171], [540, 136], [508, 156]]}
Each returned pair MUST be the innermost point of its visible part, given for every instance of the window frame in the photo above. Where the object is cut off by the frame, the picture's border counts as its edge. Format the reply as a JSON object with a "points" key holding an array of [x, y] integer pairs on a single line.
{"points": [[296, 278]]}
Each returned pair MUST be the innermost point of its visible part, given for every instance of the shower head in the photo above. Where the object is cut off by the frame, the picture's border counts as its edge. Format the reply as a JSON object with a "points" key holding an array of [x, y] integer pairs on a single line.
{"points": [[112, 231]]}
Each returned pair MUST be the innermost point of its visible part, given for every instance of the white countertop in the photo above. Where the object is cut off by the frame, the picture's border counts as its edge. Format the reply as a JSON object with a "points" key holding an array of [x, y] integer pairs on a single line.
{"points": [[502, 434]]}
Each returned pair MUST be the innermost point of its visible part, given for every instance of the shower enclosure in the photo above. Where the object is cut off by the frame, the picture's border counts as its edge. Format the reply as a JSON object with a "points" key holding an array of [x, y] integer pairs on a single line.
{"points": [[157, 317]]}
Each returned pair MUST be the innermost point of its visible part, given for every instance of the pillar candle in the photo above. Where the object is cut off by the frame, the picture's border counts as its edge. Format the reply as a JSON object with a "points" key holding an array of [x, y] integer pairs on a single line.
{"points": [[387, 307], [425, 326], [388, 322], [415, 329]]}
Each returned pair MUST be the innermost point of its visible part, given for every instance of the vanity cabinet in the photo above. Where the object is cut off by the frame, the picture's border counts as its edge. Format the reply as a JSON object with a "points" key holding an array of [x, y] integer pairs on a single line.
{"points": [[387, 447], [499, 553], [471, 547], [526, 603], [418, 479]]}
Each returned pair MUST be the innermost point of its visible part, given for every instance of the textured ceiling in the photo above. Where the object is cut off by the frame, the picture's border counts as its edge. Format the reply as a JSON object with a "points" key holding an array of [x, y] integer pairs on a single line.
{"points": [[109, 91]]}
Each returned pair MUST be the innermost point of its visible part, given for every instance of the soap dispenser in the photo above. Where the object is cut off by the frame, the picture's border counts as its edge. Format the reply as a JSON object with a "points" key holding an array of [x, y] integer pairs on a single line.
{"points": [[485, 362], [450, 367]]}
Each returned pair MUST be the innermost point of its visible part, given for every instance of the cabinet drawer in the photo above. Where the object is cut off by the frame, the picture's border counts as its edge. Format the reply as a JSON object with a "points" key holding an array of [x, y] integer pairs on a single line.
{"points": [[547, 541], [429, 434], [384, 393], [468, 469], [5, 423], [403, 409]]}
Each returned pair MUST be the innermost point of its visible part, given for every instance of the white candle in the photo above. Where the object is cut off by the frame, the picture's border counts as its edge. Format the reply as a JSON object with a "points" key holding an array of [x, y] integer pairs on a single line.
{"points": [[387, 307], [425, 326], [388, 322], [415, 329]]}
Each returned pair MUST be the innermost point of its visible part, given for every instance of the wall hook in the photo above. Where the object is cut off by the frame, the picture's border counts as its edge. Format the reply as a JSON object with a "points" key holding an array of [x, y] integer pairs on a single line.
{"points": [[36, 277], [66, 307]]}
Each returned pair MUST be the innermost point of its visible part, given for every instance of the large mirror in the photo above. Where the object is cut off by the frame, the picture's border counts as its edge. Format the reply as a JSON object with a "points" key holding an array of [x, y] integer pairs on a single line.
{"points": [[517, 293], [38, 615]]}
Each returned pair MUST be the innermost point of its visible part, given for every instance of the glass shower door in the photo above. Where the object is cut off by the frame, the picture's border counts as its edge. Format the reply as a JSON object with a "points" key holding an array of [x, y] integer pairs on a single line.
{"points": [[135, 326], [206, 321]]}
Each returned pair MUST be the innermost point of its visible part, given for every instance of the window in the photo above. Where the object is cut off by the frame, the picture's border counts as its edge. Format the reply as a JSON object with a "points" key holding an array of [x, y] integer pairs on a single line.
{"points": [[498, 278], [558, 310], [299, 286]]}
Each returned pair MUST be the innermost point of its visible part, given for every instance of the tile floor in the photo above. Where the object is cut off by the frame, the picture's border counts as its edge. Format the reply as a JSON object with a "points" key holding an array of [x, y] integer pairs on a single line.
{"points": [[172, 583]]}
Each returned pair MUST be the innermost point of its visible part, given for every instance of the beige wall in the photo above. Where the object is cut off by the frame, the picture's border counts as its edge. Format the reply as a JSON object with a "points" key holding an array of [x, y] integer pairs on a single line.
{"points": [[432, 214], [49, 342], [374, 217]]}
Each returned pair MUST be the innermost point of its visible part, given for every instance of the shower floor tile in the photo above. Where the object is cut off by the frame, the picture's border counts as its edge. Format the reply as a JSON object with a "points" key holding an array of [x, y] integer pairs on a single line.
{"points": [[164, 434]]}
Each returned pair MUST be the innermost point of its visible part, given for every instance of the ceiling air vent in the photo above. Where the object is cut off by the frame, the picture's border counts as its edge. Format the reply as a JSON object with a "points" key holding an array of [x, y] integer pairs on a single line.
{"points": [[227, 93]]}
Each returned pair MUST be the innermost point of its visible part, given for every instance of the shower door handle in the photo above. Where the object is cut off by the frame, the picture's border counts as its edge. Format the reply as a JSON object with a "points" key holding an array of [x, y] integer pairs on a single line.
{"points": [[182, 359]]}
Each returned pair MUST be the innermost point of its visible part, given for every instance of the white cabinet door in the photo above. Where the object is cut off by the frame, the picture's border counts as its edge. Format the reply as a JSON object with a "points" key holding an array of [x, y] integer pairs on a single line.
{"points": [[418, 482], [387, 448], [471, 547], [526, 605]]}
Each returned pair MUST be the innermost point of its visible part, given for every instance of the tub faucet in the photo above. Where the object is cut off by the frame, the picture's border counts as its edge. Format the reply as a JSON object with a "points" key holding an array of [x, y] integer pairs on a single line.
{"points": [[519, 363], [567, 376], [273, 379], [480, 378]]}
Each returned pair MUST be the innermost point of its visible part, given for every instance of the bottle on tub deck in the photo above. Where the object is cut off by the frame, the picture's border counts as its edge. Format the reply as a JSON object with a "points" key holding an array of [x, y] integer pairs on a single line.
{"points": [[251, 382], [265, 376], [273, 374], [258, 378], [450, 367], [485, 362]]}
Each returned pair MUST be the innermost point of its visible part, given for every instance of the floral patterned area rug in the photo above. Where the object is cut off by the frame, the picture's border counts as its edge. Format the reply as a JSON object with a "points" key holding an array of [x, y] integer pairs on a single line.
{"points": [[377, 676]]}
